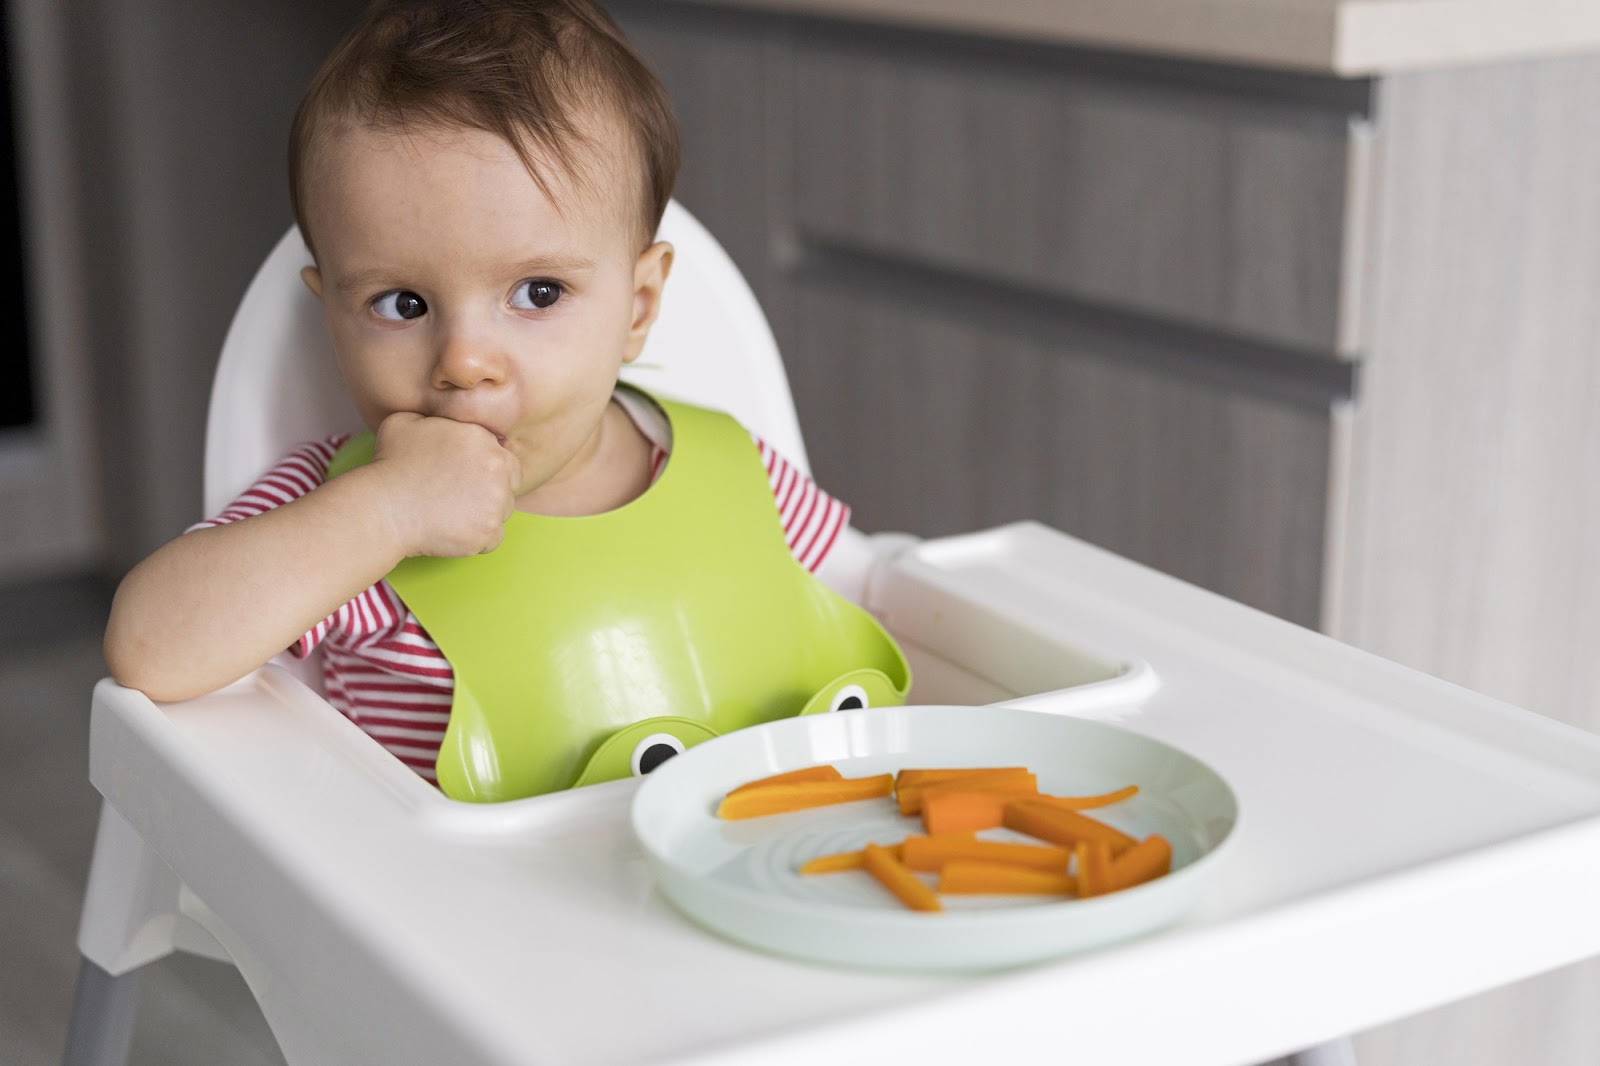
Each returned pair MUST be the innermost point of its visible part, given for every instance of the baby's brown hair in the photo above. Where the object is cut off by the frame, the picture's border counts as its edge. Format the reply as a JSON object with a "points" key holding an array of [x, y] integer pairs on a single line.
{"points": [[528, 71]]}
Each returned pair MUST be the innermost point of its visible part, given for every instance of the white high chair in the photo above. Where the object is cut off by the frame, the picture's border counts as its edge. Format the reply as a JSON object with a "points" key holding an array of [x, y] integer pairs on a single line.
{"points": [[378, 922], [276, 385]]}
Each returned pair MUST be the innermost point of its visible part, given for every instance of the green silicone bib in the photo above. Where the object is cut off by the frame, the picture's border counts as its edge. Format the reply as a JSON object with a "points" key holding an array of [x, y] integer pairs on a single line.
{"points": [[588, 648]]}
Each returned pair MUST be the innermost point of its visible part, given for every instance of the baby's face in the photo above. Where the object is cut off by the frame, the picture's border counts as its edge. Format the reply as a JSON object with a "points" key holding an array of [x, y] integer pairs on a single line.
{"points": [[453, 287]]}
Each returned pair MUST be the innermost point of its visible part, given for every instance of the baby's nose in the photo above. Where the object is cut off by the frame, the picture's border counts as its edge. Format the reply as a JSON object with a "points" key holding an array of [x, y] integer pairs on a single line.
{"points": [[464, 363]]}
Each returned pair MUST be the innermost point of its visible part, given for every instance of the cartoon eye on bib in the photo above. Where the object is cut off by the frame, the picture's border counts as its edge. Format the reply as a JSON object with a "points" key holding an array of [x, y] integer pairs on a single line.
{"points": [[852, 691], [635, 750], [849, 698], [652, 751]]}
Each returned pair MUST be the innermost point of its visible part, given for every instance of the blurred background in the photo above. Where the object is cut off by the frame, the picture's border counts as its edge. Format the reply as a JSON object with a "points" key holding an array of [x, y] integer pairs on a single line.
{"points": [[1304, 317]]}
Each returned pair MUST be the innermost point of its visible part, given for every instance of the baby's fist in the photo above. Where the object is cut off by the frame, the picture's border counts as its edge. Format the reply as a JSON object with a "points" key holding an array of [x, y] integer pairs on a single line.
{"points": [[450, 486]]}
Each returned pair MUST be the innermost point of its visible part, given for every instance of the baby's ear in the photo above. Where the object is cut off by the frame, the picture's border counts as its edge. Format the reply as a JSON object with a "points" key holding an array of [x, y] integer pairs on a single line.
{"points": [[313, 279], [649, 275]]}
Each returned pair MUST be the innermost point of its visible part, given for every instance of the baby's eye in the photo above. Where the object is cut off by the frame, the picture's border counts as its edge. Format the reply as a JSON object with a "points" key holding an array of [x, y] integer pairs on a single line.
{"points": [[400, 306], [536, 295]]}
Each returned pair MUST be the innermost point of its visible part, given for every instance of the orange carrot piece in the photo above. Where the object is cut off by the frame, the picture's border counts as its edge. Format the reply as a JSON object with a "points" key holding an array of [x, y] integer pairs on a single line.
{"points": [[910, 796], [1145, 861], [780, 799], [981, 806], [1060, 826], [855, 860], [952, 812], [933, 853], [838, 862], [1011, 784], [945, 773], [846, 860], [810, 773], [893, 875], [1089, 803], [1093, 860], [915, 779], [967, 877]]}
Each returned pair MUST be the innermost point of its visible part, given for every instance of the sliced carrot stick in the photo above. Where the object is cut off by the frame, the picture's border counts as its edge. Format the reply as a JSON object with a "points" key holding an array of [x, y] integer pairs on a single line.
{"points": [[1093, 861], [838, 862], [1145, 861], [810, 773], [982, 808], [855, 860], [1088, 803], [952, 812], [1006, 780], [933, 853], [1060, 826], [848, 860], [893, 875], [779, 799], [966, 877], [918, 778], [942, 773]]}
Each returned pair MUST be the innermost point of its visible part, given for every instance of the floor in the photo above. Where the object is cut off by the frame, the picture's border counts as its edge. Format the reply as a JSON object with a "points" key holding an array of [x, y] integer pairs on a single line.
{"points": [[192, 1011]]}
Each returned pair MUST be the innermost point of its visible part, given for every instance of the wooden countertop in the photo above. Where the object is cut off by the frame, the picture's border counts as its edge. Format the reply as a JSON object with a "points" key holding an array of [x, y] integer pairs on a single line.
{"points": [[1341, 37]]}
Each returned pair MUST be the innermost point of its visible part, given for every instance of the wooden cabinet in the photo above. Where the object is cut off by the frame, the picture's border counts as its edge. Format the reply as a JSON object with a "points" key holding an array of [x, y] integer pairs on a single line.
{"points": [[1185, 205], [1014, 284], [944, 424]]}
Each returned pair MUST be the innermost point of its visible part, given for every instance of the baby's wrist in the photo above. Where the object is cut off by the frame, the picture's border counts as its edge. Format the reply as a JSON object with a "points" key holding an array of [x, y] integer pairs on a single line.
{"points": [[388, 516]]}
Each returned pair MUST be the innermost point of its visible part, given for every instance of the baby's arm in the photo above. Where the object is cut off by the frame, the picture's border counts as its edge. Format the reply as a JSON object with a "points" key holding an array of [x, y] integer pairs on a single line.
{"points": [[210, 606]]}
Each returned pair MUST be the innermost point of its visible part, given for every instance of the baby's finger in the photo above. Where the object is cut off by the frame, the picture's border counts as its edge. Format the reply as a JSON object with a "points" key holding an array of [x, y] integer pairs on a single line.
{"points": [[398, 418]]}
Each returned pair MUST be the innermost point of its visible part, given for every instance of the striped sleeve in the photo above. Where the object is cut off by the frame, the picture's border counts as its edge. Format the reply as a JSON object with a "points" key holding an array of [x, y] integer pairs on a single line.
{"points": [[812, 520], [369, 621], [296, 474]]}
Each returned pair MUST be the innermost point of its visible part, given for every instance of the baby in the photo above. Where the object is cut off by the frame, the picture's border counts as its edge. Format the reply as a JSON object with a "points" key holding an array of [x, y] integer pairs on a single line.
{"points": [[522, 569]]}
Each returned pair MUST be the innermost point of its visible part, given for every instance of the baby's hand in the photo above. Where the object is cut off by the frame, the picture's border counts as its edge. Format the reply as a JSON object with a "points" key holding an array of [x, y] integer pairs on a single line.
{"points": [[450, 485]]}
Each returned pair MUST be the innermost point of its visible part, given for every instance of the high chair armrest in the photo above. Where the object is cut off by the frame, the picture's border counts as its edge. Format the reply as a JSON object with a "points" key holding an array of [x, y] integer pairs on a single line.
{"points": [[1027, 646], [856, 558], [159, 755]]}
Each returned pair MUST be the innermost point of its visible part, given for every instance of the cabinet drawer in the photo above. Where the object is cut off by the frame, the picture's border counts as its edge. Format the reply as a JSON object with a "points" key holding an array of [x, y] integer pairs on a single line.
{"points": [[936, 426], [1212, 209]]}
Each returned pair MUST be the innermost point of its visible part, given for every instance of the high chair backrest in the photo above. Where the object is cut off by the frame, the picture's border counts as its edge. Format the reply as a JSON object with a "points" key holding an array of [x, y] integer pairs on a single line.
{"points": [[277, 384]]}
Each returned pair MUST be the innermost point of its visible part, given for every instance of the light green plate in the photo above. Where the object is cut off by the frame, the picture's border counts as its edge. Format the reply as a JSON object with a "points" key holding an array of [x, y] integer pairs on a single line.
{"points": [[738, 879]]}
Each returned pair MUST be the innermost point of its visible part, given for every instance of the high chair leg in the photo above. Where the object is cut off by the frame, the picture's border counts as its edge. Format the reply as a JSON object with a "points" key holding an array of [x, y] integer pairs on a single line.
{"points": [[130, 907], [300, 1040], [129, 918], [103, 1012]]}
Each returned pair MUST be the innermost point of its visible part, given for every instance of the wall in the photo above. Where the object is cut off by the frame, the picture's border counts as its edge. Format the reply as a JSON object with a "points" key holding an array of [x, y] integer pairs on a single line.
{"points": [[180, 112]]}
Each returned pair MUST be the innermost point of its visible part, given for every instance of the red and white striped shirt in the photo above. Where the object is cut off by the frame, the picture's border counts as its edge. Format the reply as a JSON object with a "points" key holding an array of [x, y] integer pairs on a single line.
{"points": [[380, 667]]}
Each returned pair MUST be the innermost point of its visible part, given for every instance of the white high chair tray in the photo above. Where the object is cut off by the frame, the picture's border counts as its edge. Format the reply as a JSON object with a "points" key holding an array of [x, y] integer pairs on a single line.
{"points": [[1404, 843]]}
